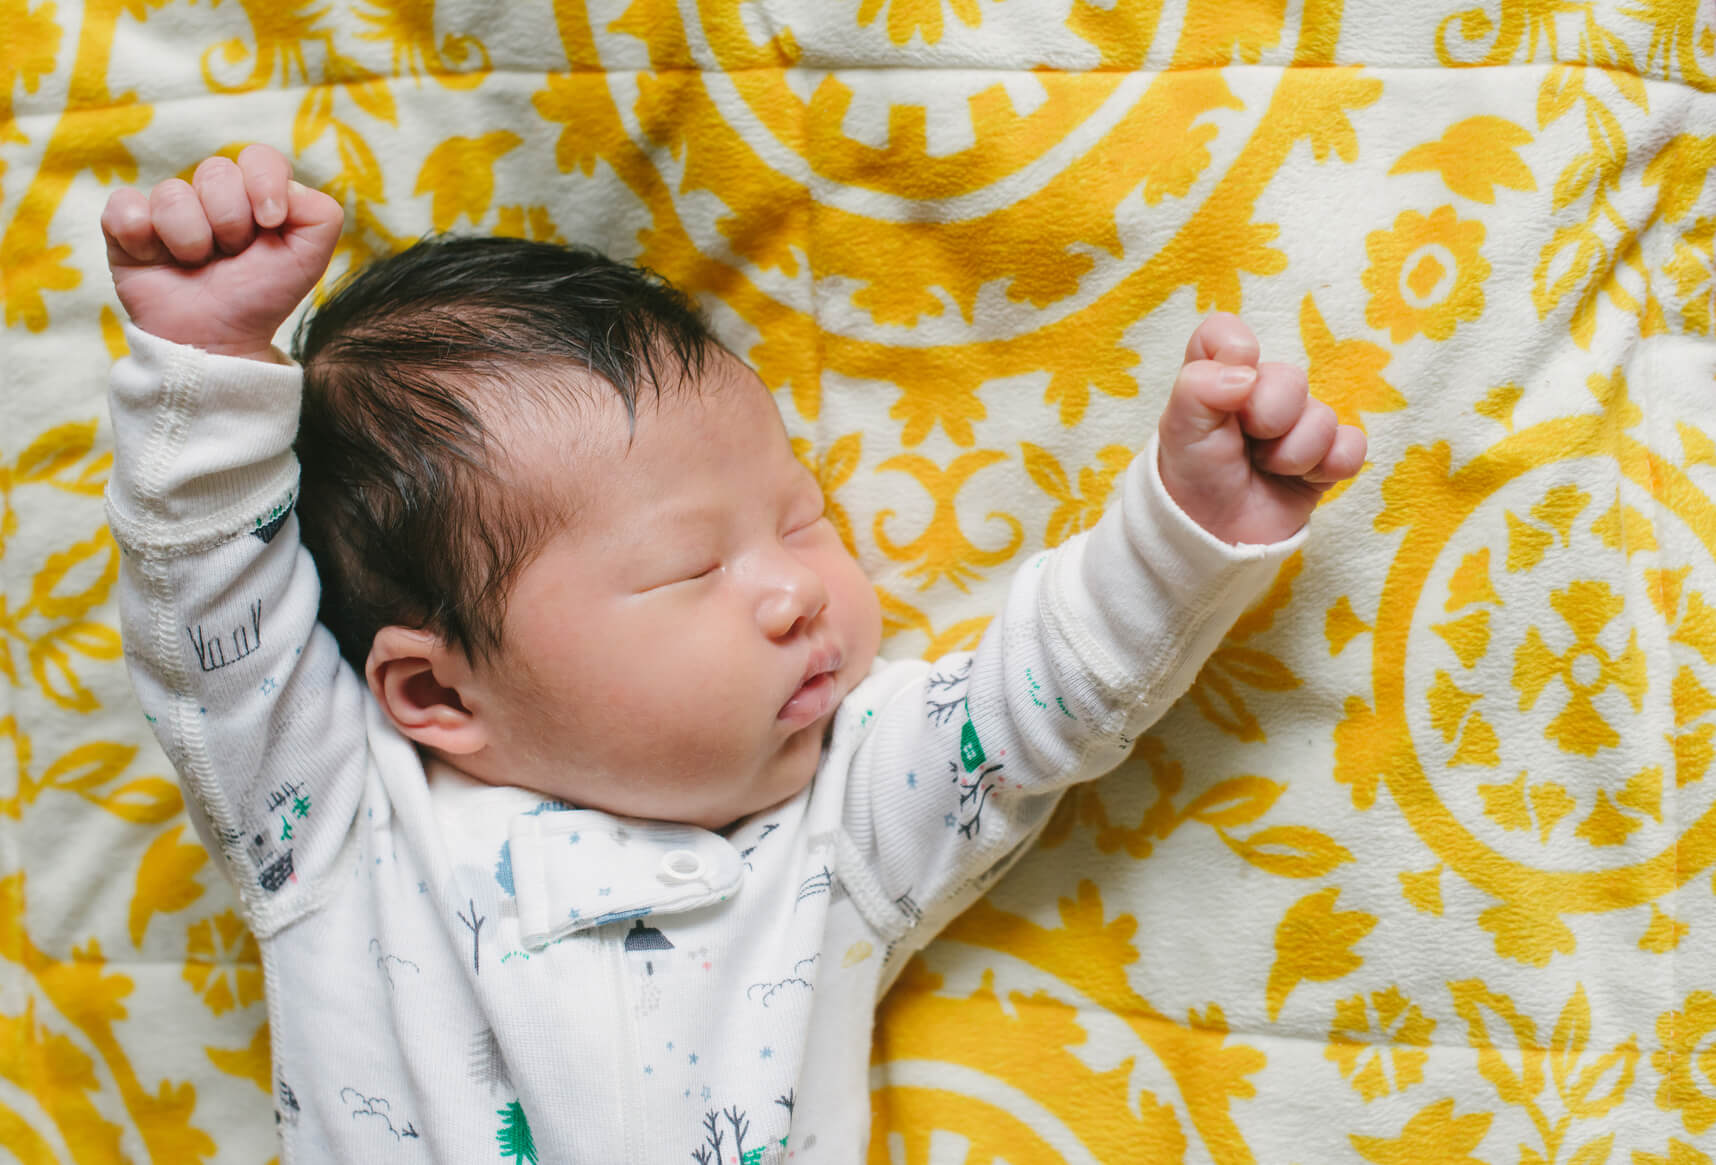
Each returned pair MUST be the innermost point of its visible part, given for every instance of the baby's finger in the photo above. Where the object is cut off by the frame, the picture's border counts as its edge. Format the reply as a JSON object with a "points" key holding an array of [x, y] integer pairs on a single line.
{"points": [[1343, 460], [313, 222], [1225, 338], [1303, 447], [178, 216], [1276, 403], [131, 238], [220, 186], [266, 172]]}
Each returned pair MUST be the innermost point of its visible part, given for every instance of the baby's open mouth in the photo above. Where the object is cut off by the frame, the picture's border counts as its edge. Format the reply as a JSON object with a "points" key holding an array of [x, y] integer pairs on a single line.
{"points": [[814, 696]]}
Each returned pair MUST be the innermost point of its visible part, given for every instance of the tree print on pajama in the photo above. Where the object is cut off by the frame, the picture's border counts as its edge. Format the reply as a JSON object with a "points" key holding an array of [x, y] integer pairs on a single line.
{"points": [[516, 1144]]}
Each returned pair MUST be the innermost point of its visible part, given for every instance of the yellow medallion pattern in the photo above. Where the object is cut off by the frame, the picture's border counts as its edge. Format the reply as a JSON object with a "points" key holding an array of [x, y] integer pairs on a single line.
{"points": [[1423, 866]]}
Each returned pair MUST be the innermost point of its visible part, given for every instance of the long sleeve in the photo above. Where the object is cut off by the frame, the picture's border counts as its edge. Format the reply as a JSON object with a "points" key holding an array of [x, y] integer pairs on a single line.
{"points": [[248, 695], [968, 754]]}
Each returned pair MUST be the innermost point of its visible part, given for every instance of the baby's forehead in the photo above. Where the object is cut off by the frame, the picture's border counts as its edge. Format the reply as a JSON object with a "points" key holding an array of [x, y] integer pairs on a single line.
{"points": [[573, 441]]}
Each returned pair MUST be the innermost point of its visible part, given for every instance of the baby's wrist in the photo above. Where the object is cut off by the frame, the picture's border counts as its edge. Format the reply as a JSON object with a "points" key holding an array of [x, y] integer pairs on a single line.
{"points": [[261, 349], [265, 352]]}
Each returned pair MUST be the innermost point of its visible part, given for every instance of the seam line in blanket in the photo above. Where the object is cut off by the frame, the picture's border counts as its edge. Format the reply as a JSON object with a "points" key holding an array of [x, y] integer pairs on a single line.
{"points": [[1283, 1037], [176, 965], [20, 115]]}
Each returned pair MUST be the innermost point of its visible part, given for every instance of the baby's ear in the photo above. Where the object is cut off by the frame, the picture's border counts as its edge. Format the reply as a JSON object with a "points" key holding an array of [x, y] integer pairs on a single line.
{"points": [[415, 676]]}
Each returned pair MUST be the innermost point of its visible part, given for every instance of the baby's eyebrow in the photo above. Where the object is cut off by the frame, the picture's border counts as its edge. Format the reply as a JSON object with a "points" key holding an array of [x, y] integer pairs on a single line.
{"points": [[688, 514]]}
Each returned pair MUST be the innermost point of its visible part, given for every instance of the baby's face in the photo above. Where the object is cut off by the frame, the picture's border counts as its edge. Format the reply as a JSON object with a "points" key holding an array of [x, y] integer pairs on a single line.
{"points": [[678, 649]]}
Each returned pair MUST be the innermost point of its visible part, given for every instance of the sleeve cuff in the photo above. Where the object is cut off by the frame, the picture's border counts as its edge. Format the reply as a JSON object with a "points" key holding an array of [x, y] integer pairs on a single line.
{"points": [[202, 443], [1148, 586]]}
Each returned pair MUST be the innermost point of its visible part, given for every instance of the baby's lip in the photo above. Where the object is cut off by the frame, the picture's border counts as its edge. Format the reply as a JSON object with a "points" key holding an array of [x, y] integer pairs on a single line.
{"points": [[822, 659], [814, 695]]}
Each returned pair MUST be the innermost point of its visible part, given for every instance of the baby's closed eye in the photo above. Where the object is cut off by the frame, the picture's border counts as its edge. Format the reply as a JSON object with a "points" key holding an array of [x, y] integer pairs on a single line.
{"points": [[688, 569], [804, 514]]}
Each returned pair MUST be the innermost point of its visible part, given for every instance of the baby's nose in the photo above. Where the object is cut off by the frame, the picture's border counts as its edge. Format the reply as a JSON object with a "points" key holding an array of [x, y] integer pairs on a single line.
{"points": [[794, 597]]}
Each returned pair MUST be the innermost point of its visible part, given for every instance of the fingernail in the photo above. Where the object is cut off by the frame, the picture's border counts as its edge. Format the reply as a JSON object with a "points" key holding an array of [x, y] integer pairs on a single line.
{"points": [[1237, 377]]}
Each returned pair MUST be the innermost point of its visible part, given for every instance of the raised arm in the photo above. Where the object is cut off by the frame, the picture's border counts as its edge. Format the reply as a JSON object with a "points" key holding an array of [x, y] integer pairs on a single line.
{"points": [[218, 602], [1097, 639]]}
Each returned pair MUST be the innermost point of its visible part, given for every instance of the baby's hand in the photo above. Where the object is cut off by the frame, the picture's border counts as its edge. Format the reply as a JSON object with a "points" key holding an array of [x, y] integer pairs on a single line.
{"points": [[1245, 450], [221, 261]]}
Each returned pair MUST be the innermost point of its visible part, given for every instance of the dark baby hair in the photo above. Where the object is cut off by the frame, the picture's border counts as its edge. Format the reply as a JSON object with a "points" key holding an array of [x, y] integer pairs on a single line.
{"points": [[400, 502]]}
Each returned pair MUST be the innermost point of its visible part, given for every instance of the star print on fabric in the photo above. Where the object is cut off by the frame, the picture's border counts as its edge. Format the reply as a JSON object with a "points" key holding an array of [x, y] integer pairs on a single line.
{"points": [[911, 780], [949, 821], [768, 1053], [648, 1071], [423, 887], [694, 1057], [605, 891], [572, 839], [706, 1093]]}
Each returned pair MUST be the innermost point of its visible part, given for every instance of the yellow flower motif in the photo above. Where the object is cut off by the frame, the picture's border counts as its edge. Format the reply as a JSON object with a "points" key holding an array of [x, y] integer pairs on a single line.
{"points": [[1425, 275], [1313, 944], [1686, 1061], [281, 31], [1380, 1048], [1693, 269], [943, 551], [222, 963], [1677, 1153], [408, 26], [907, 17], [1586, 668], [1079, 508], [1436, 1133], [460, 175], [32, 37]]}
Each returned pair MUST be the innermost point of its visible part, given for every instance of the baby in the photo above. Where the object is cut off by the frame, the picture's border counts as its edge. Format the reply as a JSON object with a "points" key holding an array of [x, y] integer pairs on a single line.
{"points": [[573, 813]]}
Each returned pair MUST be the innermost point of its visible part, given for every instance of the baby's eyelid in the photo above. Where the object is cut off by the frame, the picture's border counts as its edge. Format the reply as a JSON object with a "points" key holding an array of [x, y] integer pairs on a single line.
{"points": [[804, 519], [684, 577]]}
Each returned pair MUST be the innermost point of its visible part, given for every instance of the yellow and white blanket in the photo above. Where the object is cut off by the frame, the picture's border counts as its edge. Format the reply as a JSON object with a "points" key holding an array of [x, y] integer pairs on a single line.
{"points": [[1422, 868]]}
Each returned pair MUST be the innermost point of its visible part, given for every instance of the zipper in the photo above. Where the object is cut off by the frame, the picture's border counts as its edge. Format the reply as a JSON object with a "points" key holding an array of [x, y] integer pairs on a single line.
{"points": [[630, 1092]]}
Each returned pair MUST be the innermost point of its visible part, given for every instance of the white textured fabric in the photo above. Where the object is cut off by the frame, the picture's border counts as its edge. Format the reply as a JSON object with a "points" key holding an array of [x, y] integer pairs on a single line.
{"points": [[472, 966]]}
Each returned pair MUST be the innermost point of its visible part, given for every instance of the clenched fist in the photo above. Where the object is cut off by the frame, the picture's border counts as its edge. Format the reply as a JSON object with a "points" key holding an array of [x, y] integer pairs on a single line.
{"points": [[1245, 449], [221, 261]]}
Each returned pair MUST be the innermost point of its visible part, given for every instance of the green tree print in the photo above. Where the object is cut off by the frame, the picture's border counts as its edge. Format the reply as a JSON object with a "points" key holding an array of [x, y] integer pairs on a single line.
{"points": [[514, 1135]]}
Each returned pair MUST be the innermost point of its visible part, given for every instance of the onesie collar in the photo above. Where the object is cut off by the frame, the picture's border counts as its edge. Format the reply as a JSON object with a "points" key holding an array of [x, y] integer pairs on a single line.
{"points": [[573, 869]]}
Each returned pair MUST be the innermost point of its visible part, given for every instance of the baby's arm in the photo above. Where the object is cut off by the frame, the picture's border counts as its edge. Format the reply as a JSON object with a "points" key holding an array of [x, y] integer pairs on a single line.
{"points": [[1096, 640], [217, 600]]}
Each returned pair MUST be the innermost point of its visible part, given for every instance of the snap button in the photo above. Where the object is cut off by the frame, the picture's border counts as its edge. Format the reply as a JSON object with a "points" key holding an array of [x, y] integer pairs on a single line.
{"points": [[681, 865]]}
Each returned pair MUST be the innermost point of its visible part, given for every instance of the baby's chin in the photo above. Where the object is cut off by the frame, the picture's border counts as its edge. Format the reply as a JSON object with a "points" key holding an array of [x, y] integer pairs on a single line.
{"points": [[792, 772]]}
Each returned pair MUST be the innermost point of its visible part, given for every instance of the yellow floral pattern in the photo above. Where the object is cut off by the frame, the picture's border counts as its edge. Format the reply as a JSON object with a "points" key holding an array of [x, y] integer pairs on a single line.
{"points": [[1422, 869], [1425, 274]]}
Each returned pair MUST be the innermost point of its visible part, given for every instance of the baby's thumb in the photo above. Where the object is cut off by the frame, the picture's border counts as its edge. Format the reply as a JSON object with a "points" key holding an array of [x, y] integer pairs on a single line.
{"points": [[1205, 395], [313, 221]]}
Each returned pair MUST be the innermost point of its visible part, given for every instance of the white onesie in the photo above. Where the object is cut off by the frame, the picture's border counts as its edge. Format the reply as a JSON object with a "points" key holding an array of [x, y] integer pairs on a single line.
{"points": [[462, 973]]}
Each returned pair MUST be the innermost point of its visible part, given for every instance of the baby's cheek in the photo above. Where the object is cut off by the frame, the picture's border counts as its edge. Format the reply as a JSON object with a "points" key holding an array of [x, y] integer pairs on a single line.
{"points": [[864, 616]]}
